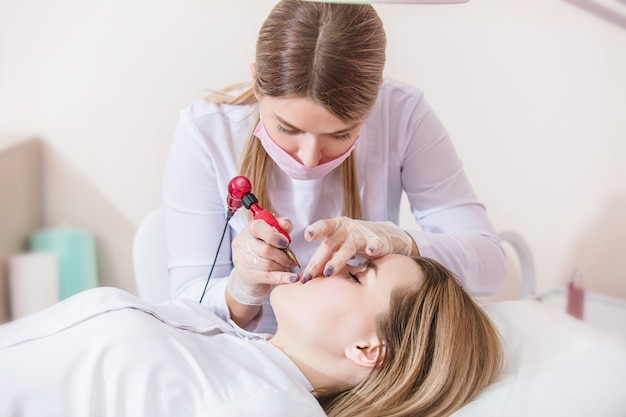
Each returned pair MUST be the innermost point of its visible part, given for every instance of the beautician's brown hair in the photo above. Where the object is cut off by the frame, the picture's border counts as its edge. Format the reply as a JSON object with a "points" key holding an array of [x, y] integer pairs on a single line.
{"points": [[441, 349], [333, 54]]}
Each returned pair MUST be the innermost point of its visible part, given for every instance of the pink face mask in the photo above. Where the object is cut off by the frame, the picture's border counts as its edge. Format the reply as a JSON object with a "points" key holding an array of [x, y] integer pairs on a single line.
{"points": [[289, 165]]}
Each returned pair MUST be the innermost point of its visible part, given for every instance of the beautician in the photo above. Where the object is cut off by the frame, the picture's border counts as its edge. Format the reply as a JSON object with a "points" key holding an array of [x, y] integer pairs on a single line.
{"points": [[329, 146]]}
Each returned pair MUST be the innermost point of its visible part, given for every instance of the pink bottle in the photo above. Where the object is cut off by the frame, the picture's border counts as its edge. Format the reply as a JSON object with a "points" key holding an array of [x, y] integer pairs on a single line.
{"points": [[575, 296]]}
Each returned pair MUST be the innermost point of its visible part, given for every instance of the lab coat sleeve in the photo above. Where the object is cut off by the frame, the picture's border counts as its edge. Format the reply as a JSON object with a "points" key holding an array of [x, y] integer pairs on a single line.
{"points": [[202, 159], [455, 229], [194, 215]]}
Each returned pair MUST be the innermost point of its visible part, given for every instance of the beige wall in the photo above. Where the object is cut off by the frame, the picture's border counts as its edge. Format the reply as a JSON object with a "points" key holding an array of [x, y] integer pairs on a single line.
{"points": [[532, 91]]}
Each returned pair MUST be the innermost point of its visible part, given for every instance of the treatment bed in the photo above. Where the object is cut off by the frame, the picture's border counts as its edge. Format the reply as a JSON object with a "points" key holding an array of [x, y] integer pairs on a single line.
{"points": [[555, 365]]}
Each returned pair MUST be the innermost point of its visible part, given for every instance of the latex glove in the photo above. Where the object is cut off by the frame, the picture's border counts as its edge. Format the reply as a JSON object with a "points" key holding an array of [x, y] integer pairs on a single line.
{"points": [[347, 238], [259, 262]]}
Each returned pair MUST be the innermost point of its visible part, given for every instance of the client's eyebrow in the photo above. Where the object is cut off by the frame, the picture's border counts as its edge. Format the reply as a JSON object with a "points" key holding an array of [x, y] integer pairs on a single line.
{"points": [[371, 265]]}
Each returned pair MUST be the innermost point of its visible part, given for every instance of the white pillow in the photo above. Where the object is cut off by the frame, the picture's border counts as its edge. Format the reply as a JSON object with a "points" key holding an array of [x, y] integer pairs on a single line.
{"points": [[555, 366]]}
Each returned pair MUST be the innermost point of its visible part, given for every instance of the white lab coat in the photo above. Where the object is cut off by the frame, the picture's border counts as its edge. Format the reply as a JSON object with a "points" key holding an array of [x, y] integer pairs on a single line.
{"points": [[104, 352], [403, 147]]}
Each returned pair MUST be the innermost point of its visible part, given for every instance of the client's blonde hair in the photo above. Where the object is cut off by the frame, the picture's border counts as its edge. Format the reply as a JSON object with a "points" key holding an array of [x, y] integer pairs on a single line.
{"points": [[441, 349]]}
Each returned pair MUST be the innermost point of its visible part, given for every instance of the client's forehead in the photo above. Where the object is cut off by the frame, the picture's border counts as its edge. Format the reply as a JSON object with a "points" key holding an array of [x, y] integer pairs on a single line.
{"points": [[394, 263], [398, 270]]}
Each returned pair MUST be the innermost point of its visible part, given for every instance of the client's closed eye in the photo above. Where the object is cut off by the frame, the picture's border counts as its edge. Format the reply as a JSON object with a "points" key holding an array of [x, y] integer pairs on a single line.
{"points": [[354, 277]]}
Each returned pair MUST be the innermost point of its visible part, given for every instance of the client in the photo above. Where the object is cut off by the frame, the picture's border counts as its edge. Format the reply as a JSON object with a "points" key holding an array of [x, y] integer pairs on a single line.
{"points": [[395, 336]]}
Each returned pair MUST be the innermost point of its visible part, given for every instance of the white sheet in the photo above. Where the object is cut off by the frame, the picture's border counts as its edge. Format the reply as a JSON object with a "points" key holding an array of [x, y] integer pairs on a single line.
{"points": [[106, 353], [555, 366]]}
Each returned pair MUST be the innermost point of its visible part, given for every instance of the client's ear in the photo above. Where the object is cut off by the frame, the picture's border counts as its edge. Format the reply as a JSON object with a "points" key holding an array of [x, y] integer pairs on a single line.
{"points": [[367, 354]]}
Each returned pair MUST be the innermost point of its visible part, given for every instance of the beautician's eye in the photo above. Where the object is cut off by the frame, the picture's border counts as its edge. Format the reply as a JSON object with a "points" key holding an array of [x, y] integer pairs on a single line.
{"points": [[283, 129], [345, 136], [354, 277]]}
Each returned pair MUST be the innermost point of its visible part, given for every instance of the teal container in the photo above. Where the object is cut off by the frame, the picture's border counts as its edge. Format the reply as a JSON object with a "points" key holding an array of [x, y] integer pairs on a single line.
{"points": [[76, 254]]}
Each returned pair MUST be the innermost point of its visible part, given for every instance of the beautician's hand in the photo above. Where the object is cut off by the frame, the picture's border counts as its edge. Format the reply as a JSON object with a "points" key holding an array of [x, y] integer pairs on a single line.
{"points": [[259, 262], [346, 237]]}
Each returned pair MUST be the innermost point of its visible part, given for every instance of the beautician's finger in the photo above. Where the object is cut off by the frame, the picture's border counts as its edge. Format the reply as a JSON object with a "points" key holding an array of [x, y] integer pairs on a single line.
{"points": [[315, 267], [280, 257], [349, 248], [320, 229], [273, 259], [255, 254], [254, 272], [318, 265], [374, 247], [255, 277], [279, 278], [253, 257], [285, 224], [341, 257], [261, 230]]}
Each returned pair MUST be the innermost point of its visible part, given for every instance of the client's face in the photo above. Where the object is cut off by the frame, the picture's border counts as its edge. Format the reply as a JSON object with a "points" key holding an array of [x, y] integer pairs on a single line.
{"points": [[344, 305]]}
